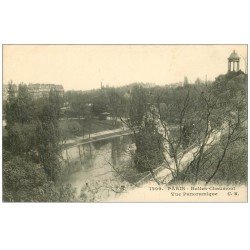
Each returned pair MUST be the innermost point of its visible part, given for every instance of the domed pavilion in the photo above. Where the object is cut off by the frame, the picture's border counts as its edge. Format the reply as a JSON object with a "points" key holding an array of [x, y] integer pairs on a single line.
{"points": [[233, 62]]}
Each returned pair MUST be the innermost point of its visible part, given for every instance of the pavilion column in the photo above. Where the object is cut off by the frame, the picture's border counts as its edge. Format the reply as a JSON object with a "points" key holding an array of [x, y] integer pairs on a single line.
{"points": [[238, 66], [229, 65], [233, 66]]}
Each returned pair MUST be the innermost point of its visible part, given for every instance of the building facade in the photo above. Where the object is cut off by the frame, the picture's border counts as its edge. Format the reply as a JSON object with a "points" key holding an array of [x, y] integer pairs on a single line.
{"points": [[42, 90], [37, 90]]}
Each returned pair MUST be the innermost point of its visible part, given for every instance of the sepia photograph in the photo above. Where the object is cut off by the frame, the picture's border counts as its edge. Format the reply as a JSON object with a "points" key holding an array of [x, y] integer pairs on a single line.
{"points": [[124, 123]]}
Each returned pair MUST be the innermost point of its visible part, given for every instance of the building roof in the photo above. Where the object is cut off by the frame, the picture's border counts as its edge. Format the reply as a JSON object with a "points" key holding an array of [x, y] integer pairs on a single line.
{"points": [[234, 55], [44, 87]]}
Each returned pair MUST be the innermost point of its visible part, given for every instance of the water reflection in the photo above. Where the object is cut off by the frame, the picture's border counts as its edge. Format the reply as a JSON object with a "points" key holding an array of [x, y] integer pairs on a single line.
{"points": [[94, 161], [98, 144]]}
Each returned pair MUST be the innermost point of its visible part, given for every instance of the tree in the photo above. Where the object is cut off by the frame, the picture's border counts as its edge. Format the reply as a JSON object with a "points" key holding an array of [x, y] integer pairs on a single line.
{"points": [[27, 181], [200, 129], [175, 131], [20, 118], [225, 131], [19, 105], [198, 81], [148, 154], [99, 106], [185, 81], [48, 136], [138, 106], [114, 104], [33, 127]]}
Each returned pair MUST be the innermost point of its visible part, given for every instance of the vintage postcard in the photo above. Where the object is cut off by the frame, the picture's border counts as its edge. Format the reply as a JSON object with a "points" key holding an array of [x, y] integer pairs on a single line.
{"points": [[124, 123]]}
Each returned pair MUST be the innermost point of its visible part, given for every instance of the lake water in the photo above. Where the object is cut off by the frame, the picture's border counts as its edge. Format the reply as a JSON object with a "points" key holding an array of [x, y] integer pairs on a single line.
{"points": [[96, 161]]}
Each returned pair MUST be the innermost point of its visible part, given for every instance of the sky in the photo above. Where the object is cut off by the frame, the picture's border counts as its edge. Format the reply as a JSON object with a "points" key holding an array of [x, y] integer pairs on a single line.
{"points": [[84, 67]]}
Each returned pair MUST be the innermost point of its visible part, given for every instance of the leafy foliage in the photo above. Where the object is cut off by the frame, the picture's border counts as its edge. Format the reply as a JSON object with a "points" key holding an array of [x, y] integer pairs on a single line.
{"points": [[26, 181], [31, 149]]}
